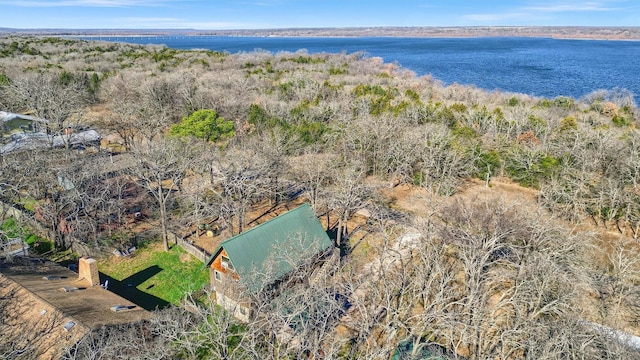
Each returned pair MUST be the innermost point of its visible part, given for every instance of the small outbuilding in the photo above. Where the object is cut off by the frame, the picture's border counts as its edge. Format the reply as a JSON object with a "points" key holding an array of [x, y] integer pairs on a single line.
{"points": [[12, 122]]}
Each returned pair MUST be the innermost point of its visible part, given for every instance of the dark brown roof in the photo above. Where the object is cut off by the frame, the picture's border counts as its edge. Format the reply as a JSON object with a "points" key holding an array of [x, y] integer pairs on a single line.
{"points": [[89, 304], [39, 297]]}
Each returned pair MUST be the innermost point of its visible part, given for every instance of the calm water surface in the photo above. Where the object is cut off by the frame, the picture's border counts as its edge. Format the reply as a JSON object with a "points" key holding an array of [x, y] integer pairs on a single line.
{"points": [[534, 66]]}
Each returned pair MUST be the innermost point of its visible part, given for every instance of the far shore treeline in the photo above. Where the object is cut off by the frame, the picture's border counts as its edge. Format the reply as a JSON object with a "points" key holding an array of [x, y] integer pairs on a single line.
{"points": [[558, 32]]}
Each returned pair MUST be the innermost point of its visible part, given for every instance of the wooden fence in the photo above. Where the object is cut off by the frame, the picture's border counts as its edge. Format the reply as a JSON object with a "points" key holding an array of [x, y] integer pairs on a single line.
{"points": [[192, 249]]}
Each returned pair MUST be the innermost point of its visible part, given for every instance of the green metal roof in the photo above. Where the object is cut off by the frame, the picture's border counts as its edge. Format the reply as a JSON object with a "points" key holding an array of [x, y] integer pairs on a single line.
{"points": [[268, 251]]}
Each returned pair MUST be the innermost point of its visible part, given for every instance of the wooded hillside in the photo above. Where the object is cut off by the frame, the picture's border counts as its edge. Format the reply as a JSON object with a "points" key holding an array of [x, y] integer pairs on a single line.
{"points": [[191, 136]]}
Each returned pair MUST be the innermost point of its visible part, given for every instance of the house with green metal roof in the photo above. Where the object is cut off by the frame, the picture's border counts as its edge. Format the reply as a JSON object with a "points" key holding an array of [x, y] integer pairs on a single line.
{"points": [[246, 263]]}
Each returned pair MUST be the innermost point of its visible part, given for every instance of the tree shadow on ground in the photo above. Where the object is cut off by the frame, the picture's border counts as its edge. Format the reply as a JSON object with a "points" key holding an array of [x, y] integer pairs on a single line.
{"points": [[128, 288], [344, 247]]}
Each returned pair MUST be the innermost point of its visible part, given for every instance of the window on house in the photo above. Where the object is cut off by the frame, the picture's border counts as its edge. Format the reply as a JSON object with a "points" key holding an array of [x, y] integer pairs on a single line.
{"points": [[217, 275], [226, 263]]}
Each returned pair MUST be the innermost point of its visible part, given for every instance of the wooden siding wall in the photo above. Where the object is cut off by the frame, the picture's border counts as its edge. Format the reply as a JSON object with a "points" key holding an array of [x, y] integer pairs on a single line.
{"points": [[217, 264]]}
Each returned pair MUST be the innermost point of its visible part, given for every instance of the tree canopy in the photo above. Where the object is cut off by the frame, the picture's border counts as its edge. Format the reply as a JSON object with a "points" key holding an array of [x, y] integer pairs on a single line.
{"points": [[205, 124]]}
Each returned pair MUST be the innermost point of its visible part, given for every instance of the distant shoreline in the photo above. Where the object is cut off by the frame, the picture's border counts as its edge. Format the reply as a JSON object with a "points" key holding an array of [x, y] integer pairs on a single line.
{"points": [[555, 32]]}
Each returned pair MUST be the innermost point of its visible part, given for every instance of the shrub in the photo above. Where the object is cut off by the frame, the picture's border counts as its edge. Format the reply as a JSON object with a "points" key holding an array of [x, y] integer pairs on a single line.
{"points": [[257, 115], [37, 244], [418, 178], [413, 95], [529, 167], [300, 110], [487, 163], [306, 60], [311, 132], [4, 80], [362, 90], [528, 138], [568, 123], [545, 103], [165, 54], [536, 121], [204, 124], [620, 121], [459, 107], [448, 117], [10, 228], [564, 102], [464, 132]]}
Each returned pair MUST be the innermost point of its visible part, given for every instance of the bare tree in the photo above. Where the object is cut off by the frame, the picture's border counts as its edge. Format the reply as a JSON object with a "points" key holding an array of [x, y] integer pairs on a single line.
{"points": [[441, 164], [615, 284], [198, 199], [314, 172], [123, 103], [160, 167], [244, 178], [56, 98], [158, 107], [56, 195], [478, 284], [151, 339], [497, 244], [349, 193]]}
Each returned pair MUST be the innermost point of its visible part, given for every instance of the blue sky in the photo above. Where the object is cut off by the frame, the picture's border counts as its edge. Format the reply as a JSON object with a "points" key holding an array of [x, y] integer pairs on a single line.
{"points": [[264, 14]]}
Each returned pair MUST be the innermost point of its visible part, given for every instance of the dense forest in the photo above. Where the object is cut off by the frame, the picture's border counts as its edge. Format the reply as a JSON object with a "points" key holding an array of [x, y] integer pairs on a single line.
{"points": [[545, 270]]}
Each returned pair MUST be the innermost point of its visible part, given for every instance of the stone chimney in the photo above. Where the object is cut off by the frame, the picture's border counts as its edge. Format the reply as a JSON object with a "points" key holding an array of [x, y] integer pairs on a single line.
{"points": [[88, 270]]}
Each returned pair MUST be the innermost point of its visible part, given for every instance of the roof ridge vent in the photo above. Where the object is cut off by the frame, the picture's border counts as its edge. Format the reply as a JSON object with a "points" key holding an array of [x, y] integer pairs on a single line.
{"points": [[69, 325], [120, 308], [69, 289], [53, 277]]}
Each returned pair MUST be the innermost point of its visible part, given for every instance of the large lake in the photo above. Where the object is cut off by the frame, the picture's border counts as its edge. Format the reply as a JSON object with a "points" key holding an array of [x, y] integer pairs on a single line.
{"points": [[534, 66]]}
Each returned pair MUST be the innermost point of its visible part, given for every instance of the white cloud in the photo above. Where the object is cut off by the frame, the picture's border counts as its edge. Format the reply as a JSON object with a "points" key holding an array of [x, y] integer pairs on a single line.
{"points": [[85, 3], [219, 25], [147, 20], [545, 10], [581, 6], [260, 3], [588, 6], [496, 17], [175, 23]]}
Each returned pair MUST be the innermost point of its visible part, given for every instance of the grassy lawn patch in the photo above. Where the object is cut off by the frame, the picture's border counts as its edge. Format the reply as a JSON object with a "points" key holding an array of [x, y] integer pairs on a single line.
{"points": [[12, 229], [28, 203], [153, 278]]}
